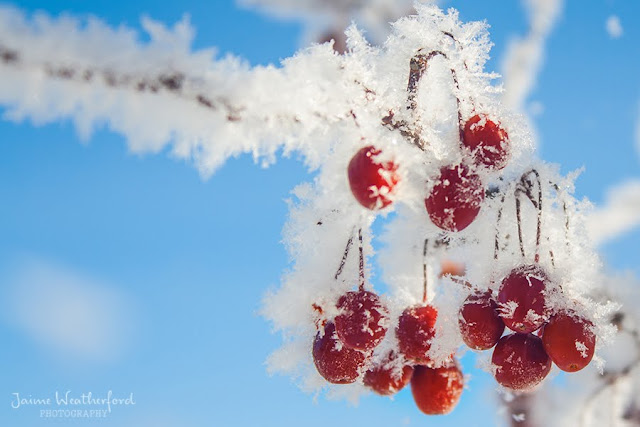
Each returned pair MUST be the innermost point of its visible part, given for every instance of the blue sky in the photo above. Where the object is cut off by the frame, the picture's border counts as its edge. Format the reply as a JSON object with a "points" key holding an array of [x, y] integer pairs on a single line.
{"points": [[186, 262]]}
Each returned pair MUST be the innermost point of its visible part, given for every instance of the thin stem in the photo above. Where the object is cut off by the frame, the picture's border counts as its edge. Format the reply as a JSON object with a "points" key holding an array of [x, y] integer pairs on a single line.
{"points": [[539, 225], [566, 217], [361, 262], [424, 271], [518, 219], [525, 187], [417, 67], [345, 254], [496, 247]]}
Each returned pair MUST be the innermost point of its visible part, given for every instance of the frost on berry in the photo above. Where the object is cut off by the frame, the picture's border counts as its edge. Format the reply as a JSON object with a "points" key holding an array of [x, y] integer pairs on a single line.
{"points": [[480, 325], [487, 142], [520, 361], [437, 391], [336, 362], [372, 181], [415, 332], [455, 200], [569, 340], [389, 375], [362, 320], [522, 299]]}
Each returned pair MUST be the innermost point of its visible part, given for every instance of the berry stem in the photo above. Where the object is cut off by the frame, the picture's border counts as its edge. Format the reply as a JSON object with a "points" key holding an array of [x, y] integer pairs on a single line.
{"points": [[525, 187], [345, 254], [566, 217], [496, 246], [417, 67], [424, 270], [361, 262]]}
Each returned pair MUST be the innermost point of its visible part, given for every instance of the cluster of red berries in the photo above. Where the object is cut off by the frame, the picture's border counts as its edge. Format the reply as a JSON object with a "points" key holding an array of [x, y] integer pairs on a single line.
{"points": [[343, 350], [521, 360], [455, 200]]}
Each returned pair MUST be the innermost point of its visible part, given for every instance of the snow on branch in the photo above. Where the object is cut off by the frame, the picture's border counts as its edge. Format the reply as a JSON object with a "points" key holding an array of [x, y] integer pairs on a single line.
{"points": [[161, 93]]}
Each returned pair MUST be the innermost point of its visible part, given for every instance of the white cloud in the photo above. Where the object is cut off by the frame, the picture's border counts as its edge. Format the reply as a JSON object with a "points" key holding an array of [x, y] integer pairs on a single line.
{"points": [[67, 312], [620, 214], [524, 56], [614, 27], [322, 17], [638, 133]]}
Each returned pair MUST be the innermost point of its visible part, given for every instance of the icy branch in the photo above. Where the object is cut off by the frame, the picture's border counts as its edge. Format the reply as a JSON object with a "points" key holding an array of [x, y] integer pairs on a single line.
{"points": [[161, 93]]}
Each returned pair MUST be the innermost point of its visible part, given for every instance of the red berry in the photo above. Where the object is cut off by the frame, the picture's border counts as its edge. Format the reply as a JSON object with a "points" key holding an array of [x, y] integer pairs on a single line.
{"points": [[520, 361], [451, 268], [336, 362], [569, 340], [362, 320], [522, 299], [480, 325], [487, 141], [416, 329], [437, 391], [372, 181], [455, 200], [389, 377]]}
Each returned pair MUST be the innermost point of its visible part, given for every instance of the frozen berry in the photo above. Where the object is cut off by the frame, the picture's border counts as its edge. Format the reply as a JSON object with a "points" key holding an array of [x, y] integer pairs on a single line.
{"points": [[480, 325], [569, 341], [437, 391], [454, 201], [372, 181], [520, 362], [487, 141], [451, 268], [336, 362], [522, 299], [362, 320], [416, 329], [388, 377]]}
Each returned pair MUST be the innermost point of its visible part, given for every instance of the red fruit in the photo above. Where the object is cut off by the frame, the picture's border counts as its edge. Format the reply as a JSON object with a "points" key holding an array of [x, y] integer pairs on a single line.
{"points": [[389, 377], [455, 200], [437, 391], [336, 362], [569, 340], [372, 181], [416, 329], [520, 361], [522, 299], [487, 141], [362, 321], [448, 267], [480, 325]]}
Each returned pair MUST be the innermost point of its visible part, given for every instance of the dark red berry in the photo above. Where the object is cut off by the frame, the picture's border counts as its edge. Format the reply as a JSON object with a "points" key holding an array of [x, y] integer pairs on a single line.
{"points": [[336, 362], [416, 329], [522, 299], [455, 200], [372, 181], [569, 340], [487, 141], [437, 391], [388, 377], [480, 325], [362, 320], [520, 362]]}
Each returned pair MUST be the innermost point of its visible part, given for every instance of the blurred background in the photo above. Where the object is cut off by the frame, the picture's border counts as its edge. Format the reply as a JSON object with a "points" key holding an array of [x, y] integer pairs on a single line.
{"points": [[132, 274]]}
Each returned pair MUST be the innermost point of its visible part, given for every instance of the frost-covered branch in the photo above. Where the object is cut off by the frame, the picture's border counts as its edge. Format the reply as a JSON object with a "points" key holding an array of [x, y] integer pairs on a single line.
{"points": [[162, 93]]}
